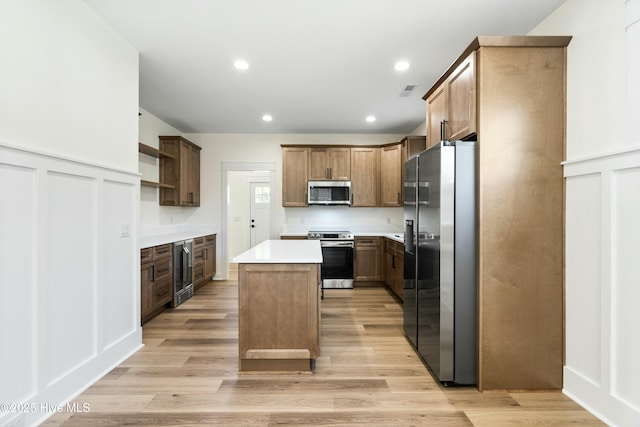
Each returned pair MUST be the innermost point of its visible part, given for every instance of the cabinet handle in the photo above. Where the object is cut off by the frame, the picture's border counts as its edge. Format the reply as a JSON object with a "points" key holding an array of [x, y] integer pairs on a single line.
{"points": [[393, 261], [326, 172], [153, 273], [206, 253], [330, 173], [399, 201]]}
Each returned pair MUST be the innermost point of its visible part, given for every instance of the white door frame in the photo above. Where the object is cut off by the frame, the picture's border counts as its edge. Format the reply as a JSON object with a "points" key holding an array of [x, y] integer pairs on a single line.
{"points": [[249, 167]]}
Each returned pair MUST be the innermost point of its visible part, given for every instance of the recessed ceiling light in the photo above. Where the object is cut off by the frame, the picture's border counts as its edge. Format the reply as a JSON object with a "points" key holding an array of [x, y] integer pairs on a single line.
{"points": [[401, 66], [241, 64], [371, 119], [267, 118]]}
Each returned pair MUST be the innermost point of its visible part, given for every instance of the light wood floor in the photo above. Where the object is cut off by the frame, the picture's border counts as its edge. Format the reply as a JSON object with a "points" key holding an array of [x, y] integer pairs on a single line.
{"points": [[368, 374]]}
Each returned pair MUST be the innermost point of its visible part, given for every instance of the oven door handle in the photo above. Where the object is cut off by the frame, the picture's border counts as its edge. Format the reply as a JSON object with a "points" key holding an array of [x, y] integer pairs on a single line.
{"points": [[336, 244]]}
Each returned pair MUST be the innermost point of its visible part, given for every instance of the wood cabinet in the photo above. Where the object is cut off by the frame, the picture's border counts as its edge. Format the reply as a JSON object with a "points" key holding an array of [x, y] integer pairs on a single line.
{"points": [[329, 163], [376, 172], [365, 174], [294, 176], [453, 102], [412, 145], [391, 171], [368, 262], [278, 316], [520, 124], [181, 173], [209, 257], [156, 280], [204, 260], [394, 266]]}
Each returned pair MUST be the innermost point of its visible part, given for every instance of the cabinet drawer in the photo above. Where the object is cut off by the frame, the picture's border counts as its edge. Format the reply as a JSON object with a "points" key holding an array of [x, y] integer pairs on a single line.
{"points": [[163, 269], [146, 255], [198, 241], [210, 239], [198, 256], [161, 293], [367, 241], [198, 273], [163, 251]]}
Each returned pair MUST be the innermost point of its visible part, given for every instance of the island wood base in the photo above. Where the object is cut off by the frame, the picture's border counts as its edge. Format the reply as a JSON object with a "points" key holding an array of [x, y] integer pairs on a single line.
{"points": [[278, 316]]}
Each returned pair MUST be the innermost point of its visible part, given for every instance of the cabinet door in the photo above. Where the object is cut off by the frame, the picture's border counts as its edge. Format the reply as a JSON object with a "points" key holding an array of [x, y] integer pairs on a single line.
{"points": [[391, 175], [436, 112], [329, 164], [161, 293], [364, 176], [179, 172], [389, 270], [194, 176], [339, 164], [399, 273], [146, 289], [294, 176], [318, 164], [368, 259], [461, 88], [209, 261]]}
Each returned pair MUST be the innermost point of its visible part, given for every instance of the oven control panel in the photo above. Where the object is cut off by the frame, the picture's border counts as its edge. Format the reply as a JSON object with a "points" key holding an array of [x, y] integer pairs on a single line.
{"points": [[330, 235]]}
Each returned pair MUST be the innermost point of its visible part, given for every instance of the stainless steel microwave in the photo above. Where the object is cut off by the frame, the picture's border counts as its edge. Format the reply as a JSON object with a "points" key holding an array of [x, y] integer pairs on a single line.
{"points": [[329, 193]]}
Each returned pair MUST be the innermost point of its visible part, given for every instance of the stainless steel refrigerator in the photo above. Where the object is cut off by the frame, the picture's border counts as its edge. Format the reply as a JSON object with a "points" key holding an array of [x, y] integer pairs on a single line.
{"points": [[440, 277]]}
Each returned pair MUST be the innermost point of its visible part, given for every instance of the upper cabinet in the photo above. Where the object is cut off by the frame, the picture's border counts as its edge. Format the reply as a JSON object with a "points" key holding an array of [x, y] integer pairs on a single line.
{"points": [[391, 174], [329, 163], [294, 176], [376, 172], [181, 171], [365, 172], [451, 106]]}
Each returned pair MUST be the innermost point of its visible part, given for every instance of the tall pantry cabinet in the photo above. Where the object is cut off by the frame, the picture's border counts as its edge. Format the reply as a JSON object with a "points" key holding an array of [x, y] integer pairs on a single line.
{"points": [[509, 92]]}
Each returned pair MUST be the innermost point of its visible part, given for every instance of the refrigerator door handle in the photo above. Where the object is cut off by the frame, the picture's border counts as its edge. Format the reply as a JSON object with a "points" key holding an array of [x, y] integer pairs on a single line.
{"points": [[409, 237]]}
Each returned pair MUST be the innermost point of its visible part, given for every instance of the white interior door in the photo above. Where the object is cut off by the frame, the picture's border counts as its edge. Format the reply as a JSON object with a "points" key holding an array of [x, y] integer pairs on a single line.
{"points": [[259, 220]]}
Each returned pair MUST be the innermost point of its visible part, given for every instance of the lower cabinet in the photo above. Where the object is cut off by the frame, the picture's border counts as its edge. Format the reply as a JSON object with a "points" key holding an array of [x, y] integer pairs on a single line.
{"points": [[368, 262], [156, 280], [394, 266], [204, 260], [278, 316]]}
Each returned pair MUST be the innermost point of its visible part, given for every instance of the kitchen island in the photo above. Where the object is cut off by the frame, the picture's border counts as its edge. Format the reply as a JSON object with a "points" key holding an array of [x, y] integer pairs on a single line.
{"points": [[279, 305]]}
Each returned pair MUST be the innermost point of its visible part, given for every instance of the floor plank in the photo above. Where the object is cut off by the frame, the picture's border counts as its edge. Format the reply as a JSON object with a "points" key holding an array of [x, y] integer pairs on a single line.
{"points": [[367, 374]]}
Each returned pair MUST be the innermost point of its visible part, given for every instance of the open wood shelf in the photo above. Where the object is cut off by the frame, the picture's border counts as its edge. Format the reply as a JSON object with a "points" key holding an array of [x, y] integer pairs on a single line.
{"points": [[146, 183], [153, 152]]}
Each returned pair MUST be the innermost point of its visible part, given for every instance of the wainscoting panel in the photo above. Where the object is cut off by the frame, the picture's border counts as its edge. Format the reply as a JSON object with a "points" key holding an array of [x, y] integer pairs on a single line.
{"points": [[119, 302], [69, 276], [602, 285], [17, 281], [583, 271], [70, 282], [625, 285]]}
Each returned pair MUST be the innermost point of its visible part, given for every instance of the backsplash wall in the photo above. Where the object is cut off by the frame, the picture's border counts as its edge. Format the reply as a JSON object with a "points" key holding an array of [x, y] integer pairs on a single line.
{"points": [[343, 218]]}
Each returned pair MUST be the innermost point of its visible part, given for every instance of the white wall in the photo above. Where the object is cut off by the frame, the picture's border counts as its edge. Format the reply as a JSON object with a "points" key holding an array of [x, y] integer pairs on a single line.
{"points": [[69, 280], [602, 174]]}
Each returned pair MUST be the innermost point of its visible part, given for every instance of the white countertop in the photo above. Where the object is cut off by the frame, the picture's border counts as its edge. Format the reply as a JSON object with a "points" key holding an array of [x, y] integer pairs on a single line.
{"points": [[282, 252], [164, 235]]}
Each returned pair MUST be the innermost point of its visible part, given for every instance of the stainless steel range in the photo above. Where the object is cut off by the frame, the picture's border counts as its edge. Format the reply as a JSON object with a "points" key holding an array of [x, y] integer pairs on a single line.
{"points": [[337, 258]]}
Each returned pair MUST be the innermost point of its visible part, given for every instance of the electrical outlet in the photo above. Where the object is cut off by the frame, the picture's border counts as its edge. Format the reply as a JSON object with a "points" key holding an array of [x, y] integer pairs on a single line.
{"points": [[124, 229]]}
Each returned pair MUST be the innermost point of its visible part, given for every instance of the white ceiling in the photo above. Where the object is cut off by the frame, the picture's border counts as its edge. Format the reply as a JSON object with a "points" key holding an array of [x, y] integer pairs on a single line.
{"points": [[316, 66]]}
